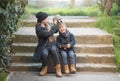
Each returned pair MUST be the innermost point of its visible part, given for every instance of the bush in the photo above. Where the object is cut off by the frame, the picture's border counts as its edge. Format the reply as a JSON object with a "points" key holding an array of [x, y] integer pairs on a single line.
{"points": [[10, 12], [115, 9], [75, 11], [107, 23], [111, 25], [2, 75]]}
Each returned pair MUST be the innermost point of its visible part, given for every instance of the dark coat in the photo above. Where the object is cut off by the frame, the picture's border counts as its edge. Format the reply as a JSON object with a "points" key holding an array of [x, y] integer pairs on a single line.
{"points": [[68, 38], [43, 34]]}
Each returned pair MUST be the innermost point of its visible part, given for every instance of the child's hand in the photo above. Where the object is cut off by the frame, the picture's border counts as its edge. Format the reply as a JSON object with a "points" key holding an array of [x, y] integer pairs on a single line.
{"points": [[54, 22], [68, 46]]}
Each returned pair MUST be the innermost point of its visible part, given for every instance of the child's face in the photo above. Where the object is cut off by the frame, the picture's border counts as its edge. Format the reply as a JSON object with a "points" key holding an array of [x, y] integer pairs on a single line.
{"points": [[62, 29]]}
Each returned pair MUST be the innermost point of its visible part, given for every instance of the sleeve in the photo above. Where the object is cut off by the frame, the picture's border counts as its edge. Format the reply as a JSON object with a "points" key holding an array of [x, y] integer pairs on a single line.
{"points": [[55, 27], [58, 41], [72, 40], [43, 32]]}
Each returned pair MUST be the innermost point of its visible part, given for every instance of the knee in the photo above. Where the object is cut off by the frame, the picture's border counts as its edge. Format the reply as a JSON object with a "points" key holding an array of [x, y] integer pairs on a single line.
{"points": [[44, 55], [53, 49], [64, 55], [71, 54]]}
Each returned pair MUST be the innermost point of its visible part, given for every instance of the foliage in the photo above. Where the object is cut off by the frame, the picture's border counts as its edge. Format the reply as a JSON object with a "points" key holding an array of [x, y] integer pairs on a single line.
{"points": [[115, 6], [117, 50], [2, 75], [111, 25], [118, 2], [107, 23], [101, 4], [92, 11], [115, 9], [76, 11], [10, 13]]}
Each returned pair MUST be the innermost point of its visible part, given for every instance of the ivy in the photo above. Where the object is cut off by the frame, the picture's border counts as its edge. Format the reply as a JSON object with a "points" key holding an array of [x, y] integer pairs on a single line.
{"points": [[10, 13]]}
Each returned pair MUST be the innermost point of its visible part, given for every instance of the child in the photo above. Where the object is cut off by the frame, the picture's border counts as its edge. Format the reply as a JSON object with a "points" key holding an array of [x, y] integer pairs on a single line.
{"points": [[57, 19], [46, 43], [66, 42]]}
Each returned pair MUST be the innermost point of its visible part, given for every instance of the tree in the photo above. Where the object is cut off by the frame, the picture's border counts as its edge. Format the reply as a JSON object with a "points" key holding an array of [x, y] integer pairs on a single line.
{"points": [[108, 7], [105, 6], [72, 3]]}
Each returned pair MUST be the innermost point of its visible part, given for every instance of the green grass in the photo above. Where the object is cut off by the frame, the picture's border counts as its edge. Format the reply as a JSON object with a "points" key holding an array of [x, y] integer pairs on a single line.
{"points": [[112, 25], [3, 75], [77, 11], [107, 23]]}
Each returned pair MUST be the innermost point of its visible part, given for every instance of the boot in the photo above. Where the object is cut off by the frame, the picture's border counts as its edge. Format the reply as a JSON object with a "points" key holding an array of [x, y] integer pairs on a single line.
{"points": [[58, 70], [66, 68], [72, 68], [43, 71]]}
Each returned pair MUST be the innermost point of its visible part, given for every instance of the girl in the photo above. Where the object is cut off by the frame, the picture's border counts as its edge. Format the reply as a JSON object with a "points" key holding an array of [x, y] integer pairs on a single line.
{"points": [[46, 43]]}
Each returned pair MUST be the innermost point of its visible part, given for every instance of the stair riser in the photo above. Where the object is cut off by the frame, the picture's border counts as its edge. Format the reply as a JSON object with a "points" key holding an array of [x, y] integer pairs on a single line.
{"points": [[79, 69], [77, 49], [69, 24], [98, 50], [101, 60], [97, 69], [104, 39], [24, 68]]}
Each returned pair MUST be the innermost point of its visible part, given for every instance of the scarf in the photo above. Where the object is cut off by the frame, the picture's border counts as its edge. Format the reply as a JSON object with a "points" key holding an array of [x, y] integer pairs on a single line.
{"points": [[51, 38], [66, 35]]}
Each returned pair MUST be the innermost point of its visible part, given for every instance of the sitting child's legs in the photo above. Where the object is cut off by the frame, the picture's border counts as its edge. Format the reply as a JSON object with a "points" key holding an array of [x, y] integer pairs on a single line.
{"points": [[65, 62], [72, 61]]}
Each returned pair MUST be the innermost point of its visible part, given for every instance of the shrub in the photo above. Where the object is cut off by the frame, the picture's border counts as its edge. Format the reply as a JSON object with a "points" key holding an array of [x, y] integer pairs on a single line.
{"points": [[10, 12], [111, 25]]}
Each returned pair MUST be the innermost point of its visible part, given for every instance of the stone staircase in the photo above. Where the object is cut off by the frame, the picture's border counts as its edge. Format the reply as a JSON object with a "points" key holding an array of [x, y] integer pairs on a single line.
{"points": [[94, 48]]}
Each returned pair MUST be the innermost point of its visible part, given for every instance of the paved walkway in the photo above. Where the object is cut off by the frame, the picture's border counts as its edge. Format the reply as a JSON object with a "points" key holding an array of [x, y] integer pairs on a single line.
{"points": [[81, 76]]}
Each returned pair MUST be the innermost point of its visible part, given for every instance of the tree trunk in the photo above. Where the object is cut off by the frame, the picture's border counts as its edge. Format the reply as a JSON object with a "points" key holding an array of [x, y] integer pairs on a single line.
{"points": [[72, 3], [108, 7]]}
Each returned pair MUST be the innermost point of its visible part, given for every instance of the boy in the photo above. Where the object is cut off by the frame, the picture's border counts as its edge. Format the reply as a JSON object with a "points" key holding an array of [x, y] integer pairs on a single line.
{"points": [[66, 42]]}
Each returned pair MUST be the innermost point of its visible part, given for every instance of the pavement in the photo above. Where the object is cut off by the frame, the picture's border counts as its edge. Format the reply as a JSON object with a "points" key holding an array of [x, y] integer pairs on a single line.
{"points": [[79, 76]]}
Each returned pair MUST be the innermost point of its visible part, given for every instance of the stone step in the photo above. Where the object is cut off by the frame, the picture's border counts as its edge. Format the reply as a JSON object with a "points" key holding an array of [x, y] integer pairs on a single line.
{"points": [[96, 67], [80, 58], [70, 21], [82, 36], [79, 67], [79, 48], [82, 39]]}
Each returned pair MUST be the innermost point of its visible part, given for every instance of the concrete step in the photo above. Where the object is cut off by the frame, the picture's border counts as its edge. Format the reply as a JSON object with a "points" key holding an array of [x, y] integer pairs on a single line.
{"points": [[70, 21], [95, 58], [80, 58], [79, 67], [96, 67], [94, 50], [79, 48], [82, 36], [25, 66]]}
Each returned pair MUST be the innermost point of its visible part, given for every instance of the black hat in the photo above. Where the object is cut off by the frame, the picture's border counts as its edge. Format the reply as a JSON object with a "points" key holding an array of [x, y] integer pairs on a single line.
{"points": [[41, 16]]}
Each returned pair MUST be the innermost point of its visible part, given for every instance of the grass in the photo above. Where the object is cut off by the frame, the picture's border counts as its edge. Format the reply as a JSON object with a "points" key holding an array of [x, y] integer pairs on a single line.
{"points": [[77, 11], [2, 75], [112, 25]]}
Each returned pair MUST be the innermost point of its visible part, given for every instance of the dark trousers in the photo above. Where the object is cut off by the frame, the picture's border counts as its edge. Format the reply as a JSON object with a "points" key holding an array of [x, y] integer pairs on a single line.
{"points": [[45, 55]]}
